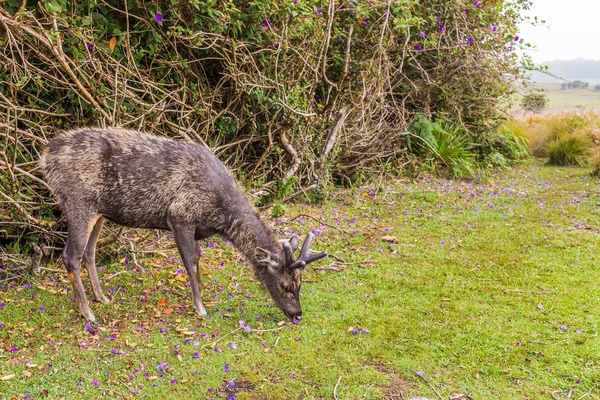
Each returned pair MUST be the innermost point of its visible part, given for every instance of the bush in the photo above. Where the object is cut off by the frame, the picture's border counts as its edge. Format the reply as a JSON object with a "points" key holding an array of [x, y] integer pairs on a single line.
{"points": [[534, 102], [259, 82]]}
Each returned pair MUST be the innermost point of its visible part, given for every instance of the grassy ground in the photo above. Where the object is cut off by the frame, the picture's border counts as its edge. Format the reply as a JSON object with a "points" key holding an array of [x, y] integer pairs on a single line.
{"points": [[487, 289], [563, 100]]}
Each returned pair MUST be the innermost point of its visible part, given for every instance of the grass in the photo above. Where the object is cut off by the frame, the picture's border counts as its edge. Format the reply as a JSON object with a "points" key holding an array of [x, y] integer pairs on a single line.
{"points": [[488, 289], [562, 100]]}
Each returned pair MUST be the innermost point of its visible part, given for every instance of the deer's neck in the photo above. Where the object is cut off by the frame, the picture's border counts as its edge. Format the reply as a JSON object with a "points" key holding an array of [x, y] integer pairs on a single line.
{"points": [[247, 232]]}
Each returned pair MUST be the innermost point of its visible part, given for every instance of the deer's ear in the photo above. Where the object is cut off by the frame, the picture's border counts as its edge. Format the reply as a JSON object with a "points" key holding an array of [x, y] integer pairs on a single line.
{"points": [[294, 243], [267, 259]]}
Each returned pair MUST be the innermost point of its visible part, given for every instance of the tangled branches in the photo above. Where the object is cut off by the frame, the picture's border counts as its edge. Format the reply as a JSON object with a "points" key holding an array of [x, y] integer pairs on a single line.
{"points": [[287, 93]]}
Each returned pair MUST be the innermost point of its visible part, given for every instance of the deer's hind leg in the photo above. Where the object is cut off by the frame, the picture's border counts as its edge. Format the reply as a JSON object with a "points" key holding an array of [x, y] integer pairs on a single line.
{"points": [[89, 259], [80, 226]]}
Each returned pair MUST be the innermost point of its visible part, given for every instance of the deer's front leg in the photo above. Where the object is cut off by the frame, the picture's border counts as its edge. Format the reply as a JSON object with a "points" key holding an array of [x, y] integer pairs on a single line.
{"points": [[184, 238]]}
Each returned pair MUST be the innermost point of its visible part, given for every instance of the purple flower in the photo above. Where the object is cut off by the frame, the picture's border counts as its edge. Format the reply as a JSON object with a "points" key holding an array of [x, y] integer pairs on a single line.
{"points": [[319, 11], [470, 39], [116, 351], [95, 383], [13, 349], [161, 365], [365, 21], [173, 380], [441, 28], [421, 374], [422, 34], [494, 28], [195, 355], [564, 327], [516, 38], [248, 295], [230, 383], [355, 331], [1, 325], [234, 345], [518, 343], [226, 368], [540, 307], [241, 323], [247, 329], [266, 22], [26, 396], [158, 17], [418, 47], [90, 46], [476, 3], [365, 330]]}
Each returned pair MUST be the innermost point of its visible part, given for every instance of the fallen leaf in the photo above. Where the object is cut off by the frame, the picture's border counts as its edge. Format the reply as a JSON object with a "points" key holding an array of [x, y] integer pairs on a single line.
{"points": [[112, 43], [390, 239], [7, 377], [27, 374], [161, 303]]}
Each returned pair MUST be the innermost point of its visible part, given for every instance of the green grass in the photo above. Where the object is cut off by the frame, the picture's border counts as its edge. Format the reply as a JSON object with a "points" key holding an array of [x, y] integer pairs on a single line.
{"points": [[561, 100], [473, 294]]}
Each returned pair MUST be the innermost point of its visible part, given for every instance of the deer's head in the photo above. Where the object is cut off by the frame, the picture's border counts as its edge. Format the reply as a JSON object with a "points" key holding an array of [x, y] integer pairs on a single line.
{"points": [[284, 273]]}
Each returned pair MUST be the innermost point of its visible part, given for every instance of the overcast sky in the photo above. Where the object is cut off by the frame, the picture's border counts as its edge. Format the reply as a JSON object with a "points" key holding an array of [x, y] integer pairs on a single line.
{"points": [[572, 30]]}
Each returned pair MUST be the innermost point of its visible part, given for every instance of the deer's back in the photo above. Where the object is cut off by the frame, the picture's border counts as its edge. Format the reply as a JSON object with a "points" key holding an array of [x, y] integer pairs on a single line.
{"points": [[136, 179]]}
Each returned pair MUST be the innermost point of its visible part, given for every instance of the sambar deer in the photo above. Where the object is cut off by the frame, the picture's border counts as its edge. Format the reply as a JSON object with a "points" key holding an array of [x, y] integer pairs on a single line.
{"points": [[143, 181]]}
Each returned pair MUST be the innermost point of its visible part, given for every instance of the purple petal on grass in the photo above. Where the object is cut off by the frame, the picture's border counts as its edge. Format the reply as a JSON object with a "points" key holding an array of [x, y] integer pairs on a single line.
{"points": [[421, 374], [195, 355], [226, 368], [158, 17], [95, 383], [234, 345], [418, 47], [540, 307], [247, 329], [230, 383], [1, 325], [564, 327], [422, 34]]}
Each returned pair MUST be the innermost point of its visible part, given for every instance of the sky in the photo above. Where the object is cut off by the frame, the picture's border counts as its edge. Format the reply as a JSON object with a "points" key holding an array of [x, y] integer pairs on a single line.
{"points": [[572, 30]]}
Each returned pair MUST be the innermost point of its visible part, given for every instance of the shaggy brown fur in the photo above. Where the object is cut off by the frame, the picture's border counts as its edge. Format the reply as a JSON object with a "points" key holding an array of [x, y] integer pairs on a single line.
{"points": [[142, 181]]}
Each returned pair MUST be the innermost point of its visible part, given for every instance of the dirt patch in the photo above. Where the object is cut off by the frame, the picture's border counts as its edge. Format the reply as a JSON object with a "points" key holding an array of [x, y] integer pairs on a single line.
{"points": [[396, 389], [229, 390]]}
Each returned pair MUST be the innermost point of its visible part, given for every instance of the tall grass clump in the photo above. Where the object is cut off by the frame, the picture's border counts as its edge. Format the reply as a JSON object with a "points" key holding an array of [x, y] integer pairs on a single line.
{"points": [[565, 139], [595, 164], [569, 150], [512, 140]]}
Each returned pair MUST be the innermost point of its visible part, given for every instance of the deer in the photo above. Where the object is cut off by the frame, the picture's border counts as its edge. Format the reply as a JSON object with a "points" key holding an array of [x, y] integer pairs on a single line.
{"points": [[139, 180]]}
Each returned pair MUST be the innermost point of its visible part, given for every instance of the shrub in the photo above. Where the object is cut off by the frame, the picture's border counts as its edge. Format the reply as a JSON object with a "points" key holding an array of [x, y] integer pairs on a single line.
{"points": [[534, 102], [260, 82]]}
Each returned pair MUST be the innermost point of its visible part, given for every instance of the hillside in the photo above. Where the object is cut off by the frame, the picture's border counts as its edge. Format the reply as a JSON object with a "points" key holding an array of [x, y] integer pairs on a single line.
{"points": [[579, 69]]}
